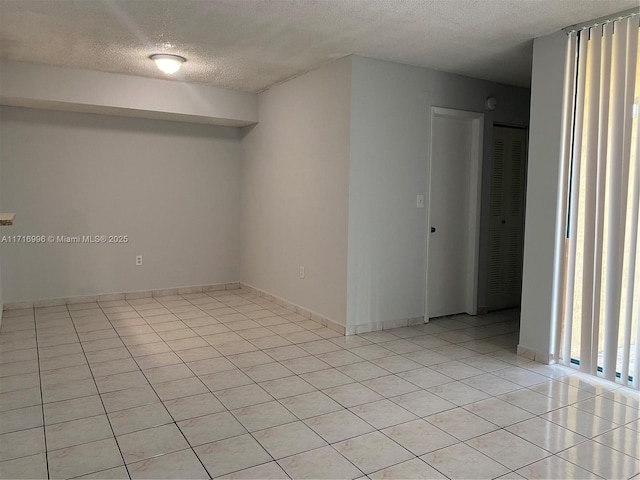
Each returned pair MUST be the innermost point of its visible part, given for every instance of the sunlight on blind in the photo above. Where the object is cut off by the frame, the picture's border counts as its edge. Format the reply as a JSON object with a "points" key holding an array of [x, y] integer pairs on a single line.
{"points": [[602, 270]]}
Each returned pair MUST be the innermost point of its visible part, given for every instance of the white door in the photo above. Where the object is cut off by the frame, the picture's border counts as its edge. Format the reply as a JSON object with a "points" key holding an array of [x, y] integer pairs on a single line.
{"points": [[506, 231], [454, 201]]}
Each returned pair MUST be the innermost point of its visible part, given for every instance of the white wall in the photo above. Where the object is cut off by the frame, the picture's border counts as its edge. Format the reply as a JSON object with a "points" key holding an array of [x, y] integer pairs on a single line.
{"points": [[3, 231], [295, 191], [328, 178], [173, 188], [542, 192], [1, 298], [73, 89], [390, 106]]}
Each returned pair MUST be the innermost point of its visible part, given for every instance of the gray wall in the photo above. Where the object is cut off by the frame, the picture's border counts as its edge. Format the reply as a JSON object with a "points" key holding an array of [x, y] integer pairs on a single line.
{"points": [[173, 188], [390, 105], [295, 181]]}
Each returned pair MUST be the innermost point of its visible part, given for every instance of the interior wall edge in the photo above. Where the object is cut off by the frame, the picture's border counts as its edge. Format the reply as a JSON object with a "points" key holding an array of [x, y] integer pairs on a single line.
{"points": [[302, 311]]}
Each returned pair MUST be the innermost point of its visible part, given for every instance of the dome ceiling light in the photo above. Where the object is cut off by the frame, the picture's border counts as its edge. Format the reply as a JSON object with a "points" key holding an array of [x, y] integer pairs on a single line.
{"points": [[169, 64]]}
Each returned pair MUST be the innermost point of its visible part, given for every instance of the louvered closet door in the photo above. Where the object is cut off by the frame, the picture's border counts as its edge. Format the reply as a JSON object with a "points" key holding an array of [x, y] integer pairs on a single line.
{"points": [[508, 170]]}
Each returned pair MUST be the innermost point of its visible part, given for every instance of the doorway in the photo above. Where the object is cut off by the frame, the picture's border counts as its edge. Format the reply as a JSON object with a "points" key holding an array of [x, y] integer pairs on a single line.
{"points": [[453, 216], [506, 227]]}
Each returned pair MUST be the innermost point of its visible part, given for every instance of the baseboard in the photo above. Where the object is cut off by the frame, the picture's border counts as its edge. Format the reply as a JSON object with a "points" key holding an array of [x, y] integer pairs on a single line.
{"points": [[306, 313], [536, 356], [122, 296], [385, 325]]}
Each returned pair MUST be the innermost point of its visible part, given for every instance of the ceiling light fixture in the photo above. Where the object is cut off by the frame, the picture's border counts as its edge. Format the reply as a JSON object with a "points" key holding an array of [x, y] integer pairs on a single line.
{"points": [[168, 63]]}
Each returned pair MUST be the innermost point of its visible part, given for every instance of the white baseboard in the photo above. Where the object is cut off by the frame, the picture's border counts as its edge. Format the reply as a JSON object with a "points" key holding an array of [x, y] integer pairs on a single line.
{"points": [[384, 325], [306, 313], [122, 296], [536, 356]]}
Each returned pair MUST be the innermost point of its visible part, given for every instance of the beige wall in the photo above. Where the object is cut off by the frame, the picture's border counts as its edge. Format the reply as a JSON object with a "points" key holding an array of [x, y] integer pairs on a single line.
{"points": [[295, 180], [173, 188]]}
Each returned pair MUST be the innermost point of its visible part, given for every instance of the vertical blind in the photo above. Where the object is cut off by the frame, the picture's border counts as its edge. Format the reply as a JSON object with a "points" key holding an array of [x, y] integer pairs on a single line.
{"points": [[600, 283]]}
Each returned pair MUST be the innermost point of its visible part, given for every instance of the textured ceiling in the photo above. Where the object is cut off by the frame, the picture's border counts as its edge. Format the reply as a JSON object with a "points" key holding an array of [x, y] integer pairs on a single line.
{"points": [[253, 44]]}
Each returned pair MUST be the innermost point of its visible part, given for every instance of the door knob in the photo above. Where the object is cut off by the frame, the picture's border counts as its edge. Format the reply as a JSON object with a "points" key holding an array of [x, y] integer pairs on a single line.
{"points": [[433, 229], [504, 221]]}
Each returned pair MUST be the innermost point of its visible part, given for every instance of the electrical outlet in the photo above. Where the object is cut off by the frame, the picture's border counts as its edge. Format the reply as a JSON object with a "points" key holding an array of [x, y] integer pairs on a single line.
{"points": [[420, 201], [301, 272], [138, 260]]}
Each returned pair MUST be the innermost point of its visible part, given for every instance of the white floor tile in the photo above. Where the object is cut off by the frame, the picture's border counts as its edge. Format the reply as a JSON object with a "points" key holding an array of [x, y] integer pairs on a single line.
{"points": [[499, 412], [321, 463], [411, 469], [149, 443], [231, 455], [183, 464], [310, 404], [602, 460], [340, 425], [263, 415], [555, 468], [390, 386], [419, 437], [461, 424], [383, 413], [289, 439], [218, 370], [83, 459], [460, 461], [34, 466], [270, 470], [210, 428], [372, 452], [193, 406], [139, 418], [507, 449], [76, 432]]}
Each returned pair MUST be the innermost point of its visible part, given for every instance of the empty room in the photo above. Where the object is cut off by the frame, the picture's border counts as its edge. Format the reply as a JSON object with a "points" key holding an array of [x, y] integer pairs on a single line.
{"points": [[319, 239]]}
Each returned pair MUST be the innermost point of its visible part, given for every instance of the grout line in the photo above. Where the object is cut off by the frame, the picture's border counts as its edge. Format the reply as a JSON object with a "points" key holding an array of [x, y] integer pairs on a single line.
{"points": [[254, 382], [273, 399], [195, 376], [44, 422], [216, 397], [100, 396]]}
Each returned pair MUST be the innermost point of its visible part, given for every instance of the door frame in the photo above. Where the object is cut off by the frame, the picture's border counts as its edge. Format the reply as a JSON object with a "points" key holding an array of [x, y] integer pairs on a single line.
{"points": [[475, 186]]}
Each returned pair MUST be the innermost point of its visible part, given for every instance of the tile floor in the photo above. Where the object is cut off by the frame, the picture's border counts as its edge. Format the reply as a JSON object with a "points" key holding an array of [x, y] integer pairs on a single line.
{"points": [[230, 385]]}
